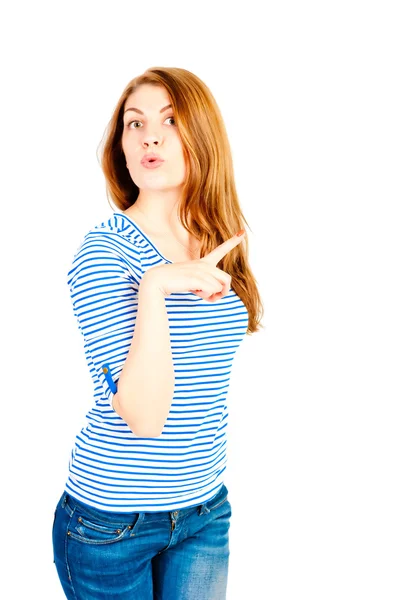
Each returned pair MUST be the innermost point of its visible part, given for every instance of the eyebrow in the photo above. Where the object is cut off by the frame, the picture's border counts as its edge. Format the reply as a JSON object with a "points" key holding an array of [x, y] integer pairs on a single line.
{"points": [[141, 112]]}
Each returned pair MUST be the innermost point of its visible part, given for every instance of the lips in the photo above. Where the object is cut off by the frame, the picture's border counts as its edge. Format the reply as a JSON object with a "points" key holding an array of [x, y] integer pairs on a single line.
{"points": [[151, 164], [151, 158]]}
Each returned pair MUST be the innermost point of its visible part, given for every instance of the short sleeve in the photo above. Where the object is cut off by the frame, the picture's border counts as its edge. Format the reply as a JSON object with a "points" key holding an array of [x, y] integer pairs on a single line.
{"points": [[104, 282]]}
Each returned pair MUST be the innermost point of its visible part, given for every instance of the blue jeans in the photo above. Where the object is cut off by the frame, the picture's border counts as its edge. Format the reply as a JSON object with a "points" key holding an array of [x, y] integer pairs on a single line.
{"points": [[178, 555]]}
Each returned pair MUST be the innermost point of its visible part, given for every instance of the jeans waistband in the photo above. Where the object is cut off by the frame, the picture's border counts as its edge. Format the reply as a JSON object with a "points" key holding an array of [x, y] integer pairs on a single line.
{"points": [[70, 503]]}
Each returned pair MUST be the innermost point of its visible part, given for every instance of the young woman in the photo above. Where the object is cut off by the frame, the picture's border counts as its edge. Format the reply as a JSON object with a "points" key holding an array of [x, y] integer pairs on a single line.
{"points": [[163, 296]]}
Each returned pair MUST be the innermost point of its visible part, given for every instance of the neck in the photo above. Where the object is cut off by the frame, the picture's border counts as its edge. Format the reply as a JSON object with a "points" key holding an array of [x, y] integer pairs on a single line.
{"points": [[170, 228], [160, 208]]}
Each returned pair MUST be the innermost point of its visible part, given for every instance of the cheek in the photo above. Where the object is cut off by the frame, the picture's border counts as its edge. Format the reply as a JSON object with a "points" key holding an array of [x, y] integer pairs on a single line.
{"points": [[181, 163], [127, 147], [178, 151]]}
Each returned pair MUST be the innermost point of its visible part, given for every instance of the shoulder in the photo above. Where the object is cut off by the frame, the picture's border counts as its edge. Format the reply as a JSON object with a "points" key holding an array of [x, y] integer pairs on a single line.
{"points": [[110, 242], [113, 235], [116, 230]]}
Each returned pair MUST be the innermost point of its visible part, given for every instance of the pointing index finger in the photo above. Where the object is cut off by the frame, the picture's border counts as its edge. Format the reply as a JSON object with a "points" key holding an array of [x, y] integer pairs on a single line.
{"points": [[220, 251]]}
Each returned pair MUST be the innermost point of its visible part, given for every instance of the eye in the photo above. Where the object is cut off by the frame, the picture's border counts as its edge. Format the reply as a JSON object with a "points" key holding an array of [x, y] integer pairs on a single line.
{"points": [[131, 122]]}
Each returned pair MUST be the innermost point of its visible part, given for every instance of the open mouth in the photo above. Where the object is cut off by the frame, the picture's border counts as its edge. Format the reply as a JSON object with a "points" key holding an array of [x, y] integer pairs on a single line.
{"points": [[152, 163], [152, 160]]}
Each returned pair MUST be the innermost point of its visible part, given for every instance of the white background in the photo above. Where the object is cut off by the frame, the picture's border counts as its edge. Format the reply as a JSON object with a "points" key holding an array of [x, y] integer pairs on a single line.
{"points": [[309, 94]]}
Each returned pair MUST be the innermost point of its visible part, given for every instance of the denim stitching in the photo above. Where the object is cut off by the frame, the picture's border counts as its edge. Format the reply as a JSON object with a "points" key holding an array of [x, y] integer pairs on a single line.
{"points": [[66, 550], [220, 503], [81, 538]]}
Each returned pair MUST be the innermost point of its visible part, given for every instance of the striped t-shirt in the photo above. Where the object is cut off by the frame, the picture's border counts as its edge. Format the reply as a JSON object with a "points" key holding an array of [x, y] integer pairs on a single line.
{"points": [[111, 468]]}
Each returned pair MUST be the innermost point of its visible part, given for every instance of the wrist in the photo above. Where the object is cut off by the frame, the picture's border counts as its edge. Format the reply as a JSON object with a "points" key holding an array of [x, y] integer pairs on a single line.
{"points": [[150, 283]]}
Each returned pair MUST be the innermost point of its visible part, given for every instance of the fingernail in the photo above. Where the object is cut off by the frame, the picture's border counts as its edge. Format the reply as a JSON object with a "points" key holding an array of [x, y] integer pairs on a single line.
{"points": [[241, 232]]}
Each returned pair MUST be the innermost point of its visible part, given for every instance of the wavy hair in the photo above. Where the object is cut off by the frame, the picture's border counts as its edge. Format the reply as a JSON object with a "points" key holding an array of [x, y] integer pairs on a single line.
{"points": [[210, 208]]}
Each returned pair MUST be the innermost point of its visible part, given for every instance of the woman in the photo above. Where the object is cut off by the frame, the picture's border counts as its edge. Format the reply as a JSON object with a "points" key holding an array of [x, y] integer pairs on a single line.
{"points": [[145, 513]]}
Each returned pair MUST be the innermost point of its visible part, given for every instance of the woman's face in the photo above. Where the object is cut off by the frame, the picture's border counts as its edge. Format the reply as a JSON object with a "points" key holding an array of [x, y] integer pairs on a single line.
{"points": [[152, 130]]}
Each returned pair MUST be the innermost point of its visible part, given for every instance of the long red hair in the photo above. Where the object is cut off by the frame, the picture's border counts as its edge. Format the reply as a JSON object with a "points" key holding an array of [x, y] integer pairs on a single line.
{"points": [[210, 208]]}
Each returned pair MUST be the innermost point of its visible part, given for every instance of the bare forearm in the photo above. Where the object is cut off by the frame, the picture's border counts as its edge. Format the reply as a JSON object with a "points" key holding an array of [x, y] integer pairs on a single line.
{"points": [[146, 383]]}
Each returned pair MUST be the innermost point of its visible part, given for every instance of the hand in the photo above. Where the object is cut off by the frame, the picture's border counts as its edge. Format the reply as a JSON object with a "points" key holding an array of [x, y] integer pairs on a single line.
{"points": [[202, 277]]}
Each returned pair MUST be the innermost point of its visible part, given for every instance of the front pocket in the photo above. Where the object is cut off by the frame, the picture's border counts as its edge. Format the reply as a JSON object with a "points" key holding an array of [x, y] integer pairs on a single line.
{"points": [[93, 531]]}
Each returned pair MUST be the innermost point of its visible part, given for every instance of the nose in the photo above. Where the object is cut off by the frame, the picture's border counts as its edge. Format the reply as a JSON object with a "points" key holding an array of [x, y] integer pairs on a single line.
{"points": [[151, 138]]}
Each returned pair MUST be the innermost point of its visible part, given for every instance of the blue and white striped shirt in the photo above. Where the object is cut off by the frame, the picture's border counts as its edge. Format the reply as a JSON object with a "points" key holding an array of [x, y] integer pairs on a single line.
{"points": [[111, 468]]}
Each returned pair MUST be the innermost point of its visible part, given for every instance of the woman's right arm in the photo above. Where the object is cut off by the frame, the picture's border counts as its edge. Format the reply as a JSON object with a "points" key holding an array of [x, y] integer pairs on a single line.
{"points": [[146, 383]]}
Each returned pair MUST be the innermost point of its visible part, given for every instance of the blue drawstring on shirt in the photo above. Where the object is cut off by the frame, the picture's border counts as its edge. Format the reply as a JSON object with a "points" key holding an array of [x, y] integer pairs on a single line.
{"points": [[108, 377]]}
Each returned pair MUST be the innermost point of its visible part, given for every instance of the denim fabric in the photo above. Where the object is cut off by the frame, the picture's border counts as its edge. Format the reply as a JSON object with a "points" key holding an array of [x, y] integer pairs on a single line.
{"points": [[178, 555]]}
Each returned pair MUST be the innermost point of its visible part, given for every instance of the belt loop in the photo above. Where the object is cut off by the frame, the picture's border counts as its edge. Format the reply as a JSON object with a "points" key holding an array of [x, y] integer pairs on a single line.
{"points": [[203, 509]]}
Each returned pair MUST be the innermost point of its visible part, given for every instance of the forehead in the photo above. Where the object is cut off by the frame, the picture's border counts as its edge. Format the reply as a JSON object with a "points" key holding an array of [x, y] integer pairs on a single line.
{"points": [[148, 97]]}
